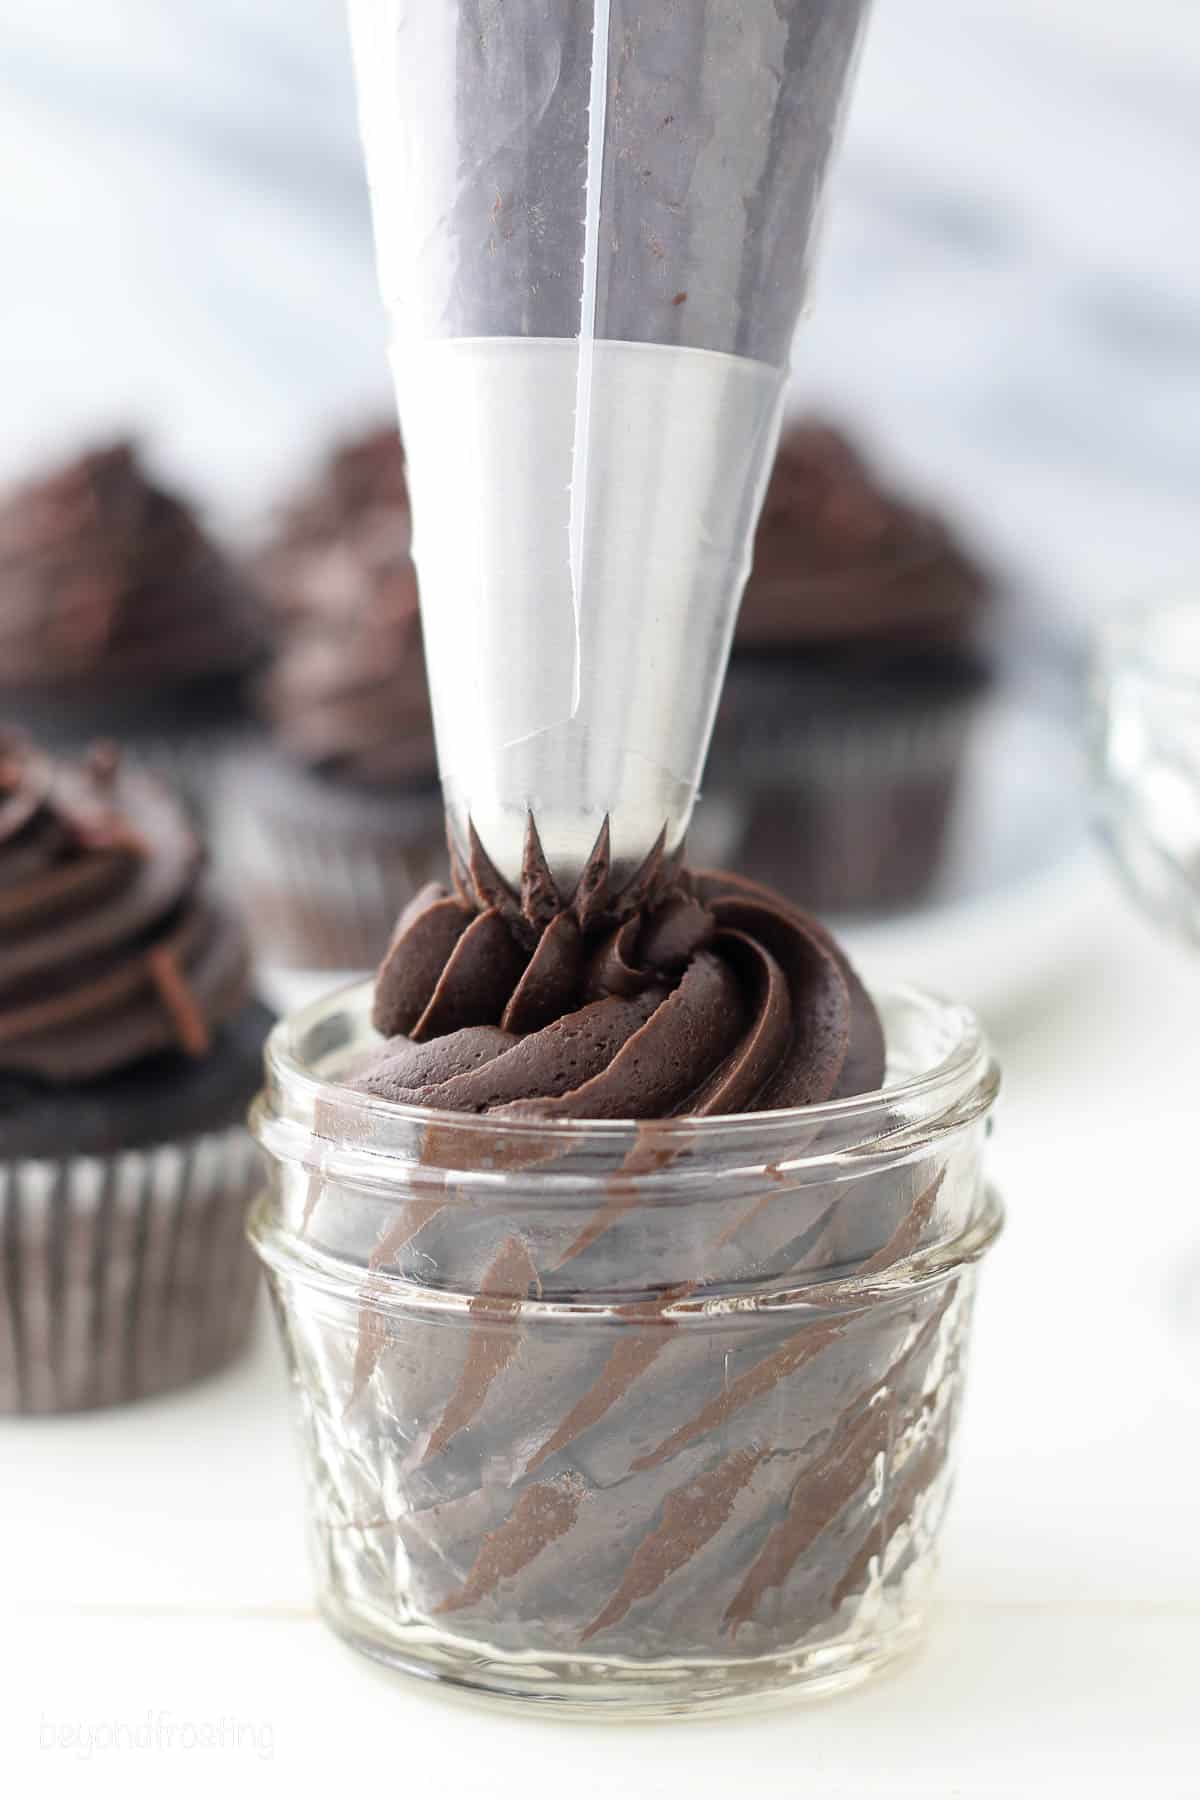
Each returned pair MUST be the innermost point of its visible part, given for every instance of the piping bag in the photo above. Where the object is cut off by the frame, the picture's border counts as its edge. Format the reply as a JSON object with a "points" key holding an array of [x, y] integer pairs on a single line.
{"points": [[594, 223]]}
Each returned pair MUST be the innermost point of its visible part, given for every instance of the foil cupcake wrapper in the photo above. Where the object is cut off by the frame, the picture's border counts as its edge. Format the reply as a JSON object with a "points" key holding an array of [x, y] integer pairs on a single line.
{"points": [[321, 874], [123, 1276]]}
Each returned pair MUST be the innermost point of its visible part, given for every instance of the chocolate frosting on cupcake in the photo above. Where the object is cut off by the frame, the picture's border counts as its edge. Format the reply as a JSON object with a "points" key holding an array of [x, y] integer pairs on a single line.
{"points": [[676, 993], [105, 577], [111, 949], [362, 482], [347, 692], [838, 558]]}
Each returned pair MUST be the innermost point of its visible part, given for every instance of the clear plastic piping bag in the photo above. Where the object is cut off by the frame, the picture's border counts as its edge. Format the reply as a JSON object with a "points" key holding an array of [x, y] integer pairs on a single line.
{"points": [[594, 222]]}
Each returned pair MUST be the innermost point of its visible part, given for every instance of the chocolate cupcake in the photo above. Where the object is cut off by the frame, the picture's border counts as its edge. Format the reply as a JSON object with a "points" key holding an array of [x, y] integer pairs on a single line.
{"points": [[856, 671], [120, 617], [334, 822], [129, 1052]]}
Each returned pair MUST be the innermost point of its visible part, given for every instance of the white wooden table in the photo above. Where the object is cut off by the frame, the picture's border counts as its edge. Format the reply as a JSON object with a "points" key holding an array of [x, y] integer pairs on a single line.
{"points": [[155, 1590]]}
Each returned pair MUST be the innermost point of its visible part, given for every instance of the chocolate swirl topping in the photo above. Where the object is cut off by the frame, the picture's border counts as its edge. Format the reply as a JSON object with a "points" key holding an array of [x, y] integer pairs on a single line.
{"points": [[681, 1480], [110, 948], [676, 993], [105, 576], [839, 558], [347, 692]]}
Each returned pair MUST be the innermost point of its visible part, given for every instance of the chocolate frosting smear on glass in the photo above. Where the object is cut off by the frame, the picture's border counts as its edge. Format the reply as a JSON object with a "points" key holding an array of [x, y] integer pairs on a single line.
{"points": [[677, 993]]}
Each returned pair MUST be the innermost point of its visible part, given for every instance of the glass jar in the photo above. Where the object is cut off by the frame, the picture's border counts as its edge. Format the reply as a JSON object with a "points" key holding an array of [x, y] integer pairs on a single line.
{"points": [[630, 1419]]}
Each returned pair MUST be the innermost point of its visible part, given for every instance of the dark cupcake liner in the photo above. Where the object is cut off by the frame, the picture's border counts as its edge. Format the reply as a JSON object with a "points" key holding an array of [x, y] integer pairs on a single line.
{"points": [[126, 1275], [837, 791], [322, 868]]}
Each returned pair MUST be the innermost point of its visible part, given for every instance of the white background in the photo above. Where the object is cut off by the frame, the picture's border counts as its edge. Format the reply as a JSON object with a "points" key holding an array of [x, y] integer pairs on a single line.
{"points": [[1011, 307]]}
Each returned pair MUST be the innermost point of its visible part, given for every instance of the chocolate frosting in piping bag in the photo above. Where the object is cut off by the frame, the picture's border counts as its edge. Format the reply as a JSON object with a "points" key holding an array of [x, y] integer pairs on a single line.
{"points": [[594, 226]]}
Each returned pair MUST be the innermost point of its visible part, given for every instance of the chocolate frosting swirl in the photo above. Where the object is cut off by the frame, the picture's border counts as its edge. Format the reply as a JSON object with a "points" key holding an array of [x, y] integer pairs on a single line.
{"points": [[347, 692], [838, 558], [105, 576], [677, 993], [111, 949]]}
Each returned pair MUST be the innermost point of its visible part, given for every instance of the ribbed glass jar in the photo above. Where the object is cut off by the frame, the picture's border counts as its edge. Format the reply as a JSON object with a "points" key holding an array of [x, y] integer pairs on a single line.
{"points": [[628, 1418]]}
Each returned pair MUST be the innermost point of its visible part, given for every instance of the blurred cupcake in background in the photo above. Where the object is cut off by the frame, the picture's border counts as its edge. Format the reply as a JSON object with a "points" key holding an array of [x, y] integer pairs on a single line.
{"points": [[119, 616], [857, 668], [336, 818], [130, 1049]]}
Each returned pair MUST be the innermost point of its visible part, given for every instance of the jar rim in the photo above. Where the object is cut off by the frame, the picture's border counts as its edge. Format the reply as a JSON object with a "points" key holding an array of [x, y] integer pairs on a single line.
{"points": [[958, 1087]]}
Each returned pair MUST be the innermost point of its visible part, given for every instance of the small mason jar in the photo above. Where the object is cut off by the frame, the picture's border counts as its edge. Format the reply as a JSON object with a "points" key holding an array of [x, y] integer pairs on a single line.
{"points": [[626, 1418]]}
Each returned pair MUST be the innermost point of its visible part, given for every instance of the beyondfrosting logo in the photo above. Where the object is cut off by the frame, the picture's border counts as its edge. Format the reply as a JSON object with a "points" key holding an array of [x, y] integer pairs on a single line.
{"points": [[159, 1731]]}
